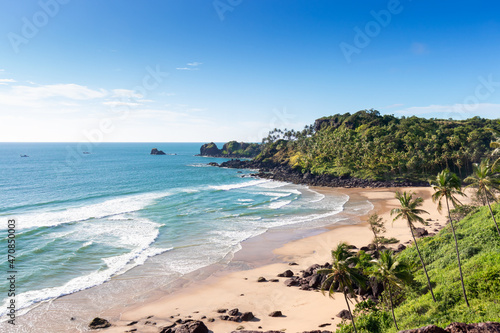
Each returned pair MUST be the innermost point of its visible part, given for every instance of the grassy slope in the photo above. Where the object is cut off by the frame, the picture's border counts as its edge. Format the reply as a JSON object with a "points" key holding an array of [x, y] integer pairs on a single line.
{"points": [[479, 246]]}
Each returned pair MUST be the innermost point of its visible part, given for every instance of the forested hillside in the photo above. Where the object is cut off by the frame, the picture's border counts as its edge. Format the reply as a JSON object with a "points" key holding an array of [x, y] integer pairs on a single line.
{"points": [[371, 146]]}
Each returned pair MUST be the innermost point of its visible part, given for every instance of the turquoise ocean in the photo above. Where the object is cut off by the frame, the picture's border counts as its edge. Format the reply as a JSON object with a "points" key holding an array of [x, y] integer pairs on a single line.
{"points": [[85, 218]]}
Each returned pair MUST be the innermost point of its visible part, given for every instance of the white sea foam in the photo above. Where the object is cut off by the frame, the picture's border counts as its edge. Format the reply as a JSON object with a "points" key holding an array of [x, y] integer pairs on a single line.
{"points": [[279, 204], [239, 185], [137, 235], [317, 196], [273, 184], [276, 194], [245, 200], [108, 208]]}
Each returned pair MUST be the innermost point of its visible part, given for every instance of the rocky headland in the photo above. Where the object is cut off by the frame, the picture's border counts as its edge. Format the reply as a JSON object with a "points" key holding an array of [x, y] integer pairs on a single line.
{"points": [[231, 149], [285, 173]]}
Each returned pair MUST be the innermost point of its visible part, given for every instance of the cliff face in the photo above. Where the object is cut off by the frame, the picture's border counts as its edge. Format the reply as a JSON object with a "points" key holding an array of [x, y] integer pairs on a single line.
{"points": [[231, 149], [210, 149]]}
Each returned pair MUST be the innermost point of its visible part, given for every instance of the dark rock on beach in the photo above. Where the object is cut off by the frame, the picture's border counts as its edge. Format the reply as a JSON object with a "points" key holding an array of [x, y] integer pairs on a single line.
{"points": [[426, 329], [233, 312], [287, 273], [344, 314], [245, 331], [247, 316], [155, 151], [276, 314], [190, 326], [420, 232], [97, 323]]}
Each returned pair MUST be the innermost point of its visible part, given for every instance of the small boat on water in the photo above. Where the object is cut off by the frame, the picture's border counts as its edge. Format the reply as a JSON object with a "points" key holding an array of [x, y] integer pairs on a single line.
{"points": [[24, 155], [86, 152]]}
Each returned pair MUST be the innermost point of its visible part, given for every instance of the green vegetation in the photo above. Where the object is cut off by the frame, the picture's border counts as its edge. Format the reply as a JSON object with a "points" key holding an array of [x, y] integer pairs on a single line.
{"points": [[410, 212], [343, 275], [480, 253], [447, 185], [485, 180], [371, 146], [241, 149], [393, 275], [463, 258], [377, 226]]}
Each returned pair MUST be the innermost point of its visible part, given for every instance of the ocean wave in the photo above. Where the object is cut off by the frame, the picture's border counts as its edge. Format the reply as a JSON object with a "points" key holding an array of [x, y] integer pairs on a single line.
{"points": [[279, 204], [239, 185], [137, 235], [105, 209]]}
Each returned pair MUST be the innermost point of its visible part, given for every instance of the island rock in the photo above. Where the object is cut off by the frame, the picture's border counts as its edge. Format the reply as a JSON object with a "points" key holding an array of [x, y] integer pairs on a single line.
{"points": [[155, 151]]}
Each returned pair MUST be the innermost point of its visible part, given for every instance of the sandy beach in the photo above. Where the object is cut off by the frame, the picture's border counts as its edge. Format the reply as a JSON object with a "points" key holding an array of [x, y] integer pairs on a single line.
{"points": [[302, 310]]}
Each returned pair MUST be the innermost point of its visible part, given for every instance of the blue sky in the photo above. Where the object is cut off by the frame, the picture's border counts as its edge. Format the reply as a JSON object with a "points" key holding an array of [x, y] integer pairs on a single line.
{"points": [[193, 70]]}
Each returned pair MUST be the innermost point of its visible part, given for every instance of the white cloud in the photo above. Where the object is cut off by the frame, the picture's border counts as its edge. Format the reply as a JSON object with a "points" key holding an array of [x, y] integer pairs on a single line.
{"points": [[392, 106], [456, 111], [70, 91], [126, 93], [192, 66], [116, 104], [2, 70], [5, 81]]}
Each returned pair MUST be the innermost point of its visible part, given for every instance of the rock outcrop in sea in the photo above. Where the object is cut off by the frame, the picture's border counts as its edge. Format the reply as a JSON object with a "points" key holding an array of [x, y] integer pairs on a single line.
{"points": [[155, 151]]}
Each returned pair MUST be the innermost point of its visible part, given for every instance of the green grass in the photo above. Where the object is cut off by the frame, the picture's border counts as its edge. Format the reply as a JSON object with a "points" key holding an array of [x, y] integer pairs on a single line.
{"points": [[479, 246]]}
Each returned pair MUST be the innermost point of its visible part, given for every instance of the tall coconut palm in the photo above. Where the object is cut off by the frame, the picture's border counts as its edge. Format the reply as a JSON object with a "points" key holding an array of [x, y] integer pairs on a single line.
{"points": [[393, 275], [410, 212], [343, 274], [447, 185], [486, 181], [496, 146]]}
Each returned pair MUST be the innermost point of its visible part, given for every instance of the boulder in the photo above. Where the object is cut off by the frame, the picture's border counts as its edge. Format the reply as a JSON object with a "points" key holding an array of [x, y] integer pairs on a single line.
{"points": [[276, 314], [261, 279], [344, 314], [247, 316], [233, 312], [155, 151], [192, 327], [488, 327], [426, 329], [315, 281], [420, 232], [287, 273], [292, 282], [97, 323]]}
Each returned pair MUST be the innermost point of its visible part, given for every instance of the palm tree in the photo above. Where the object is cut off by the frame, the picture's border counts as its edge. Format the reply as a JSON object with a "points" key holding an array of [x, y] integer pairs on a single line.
{"points": [[392, 274], [343, 274], [486, 181], [376, 225], [447, 185], [496, 146], [410, 212]]}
